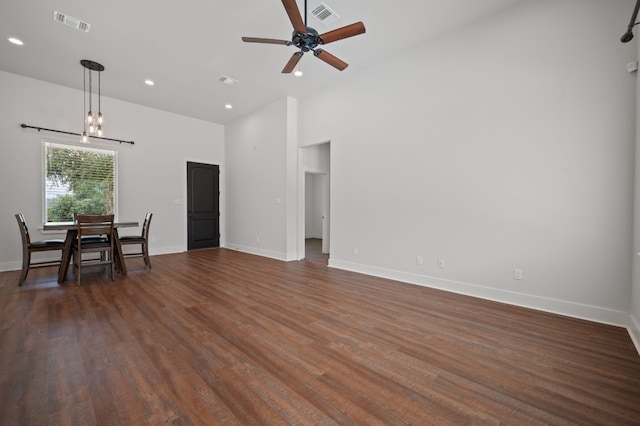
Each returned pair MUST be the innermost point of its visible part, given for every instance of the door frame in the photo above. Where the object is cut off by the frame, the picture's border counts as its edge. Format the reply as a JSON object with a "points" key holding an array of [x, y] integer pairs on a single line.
{"points": [[303, 169]]}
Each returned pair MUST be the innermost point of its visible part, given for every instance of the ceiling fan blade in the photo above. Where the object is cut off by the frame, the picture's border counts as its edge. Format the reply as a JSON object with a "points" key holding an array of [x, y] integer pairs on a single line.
{"points": [[265, 40], [295, 58], [294, 15], [330, 59], [340, 33]]}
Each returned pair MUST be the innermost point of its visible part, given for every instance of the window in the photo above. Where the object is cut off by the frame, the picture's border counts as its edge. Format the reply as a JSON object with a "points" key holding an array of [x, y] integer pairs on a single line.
{"points": [[78, 180]]}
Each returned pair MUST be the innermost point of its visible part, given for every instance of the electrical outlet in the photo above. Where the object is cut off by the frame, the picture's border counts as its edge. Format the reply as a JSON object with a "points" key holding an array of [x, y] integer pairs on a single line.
{"points": [[517, 274], [419, 260], [441, 263], [355, 251]]}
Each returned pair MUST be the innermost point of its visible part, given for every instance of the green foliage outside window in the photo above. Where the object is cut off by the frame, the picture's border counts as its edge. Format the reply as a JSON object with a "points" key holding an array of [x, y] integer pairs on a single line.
{"points": [[78, 181]]}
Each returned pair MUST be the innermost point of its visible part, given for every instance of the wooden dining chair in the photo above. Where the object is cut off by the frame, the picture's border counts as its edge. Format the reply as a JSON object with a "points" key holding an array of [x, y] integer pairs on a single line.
{"points": [[95, 235], [142, 240], [29, 247]]}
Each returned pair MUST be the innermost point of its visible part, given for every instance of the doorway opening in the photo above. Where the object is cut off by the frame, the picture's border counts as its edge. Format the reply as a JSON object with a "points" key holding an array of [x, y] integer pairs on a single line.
{"points": [[316, 198], [314, 219]]}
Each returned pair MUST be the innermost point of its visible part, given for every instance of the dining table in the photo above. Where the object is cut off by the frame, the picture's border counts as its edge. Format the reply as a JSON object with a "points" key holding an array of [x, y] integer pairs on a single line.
{"points": [[72, 233]]}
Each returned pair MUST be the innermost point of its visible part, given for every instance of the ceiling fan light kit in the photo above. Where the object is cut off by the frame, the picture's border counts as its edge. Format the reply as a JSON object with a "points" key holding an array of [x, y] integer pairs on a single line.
{"points": [[307, 39]]}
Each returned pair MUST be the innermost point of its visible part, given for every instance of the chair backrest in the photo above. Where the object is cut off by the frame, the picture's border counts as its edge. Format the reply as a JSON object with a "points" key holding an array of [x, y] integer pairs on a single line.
{"points": [[24, 230], [94, 224], [145, 226]]}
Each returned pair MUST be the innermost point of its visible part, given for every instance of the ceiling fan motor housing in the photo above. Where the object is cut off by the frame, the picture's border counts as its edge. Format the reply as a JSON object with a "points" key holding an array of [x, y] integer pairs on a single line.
{"points": [[305, 41]]}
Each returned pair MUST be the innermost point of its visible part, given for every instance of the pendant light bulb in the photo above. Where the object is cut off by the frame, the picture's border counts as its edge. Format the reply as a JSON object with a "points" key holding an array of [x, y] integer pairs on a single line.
{"points": [[100, 119], [84, 136], [99, 130], [90, 117], [92, 127]]}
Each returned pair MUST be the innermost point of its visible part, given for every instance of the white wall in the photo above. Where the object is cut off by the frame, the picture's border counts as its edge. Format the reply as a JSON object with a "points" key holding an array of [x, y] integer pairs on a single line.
{"points": [[634, 327], [152, 173], [315, 158], [507, 144], [261, 156]]}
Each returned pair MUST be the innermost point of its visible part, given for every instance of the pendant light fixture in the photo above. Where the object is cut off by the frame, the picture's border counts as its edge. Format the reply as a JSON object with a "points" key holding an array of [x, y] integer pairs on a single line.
{"points": [[94, 122]]}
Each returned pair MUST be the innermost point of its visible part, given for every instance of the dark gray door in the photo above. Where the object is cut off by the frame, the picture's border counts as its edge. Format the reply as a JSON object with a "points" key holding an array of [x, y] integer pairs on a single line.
{"points": [[203, 205]]}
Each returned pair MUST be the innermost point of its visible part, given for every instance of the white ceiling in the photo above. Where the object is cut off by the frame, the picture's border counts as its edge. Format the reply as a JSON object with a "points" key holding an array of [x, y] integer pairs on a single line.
{"points": [[185, 46]]}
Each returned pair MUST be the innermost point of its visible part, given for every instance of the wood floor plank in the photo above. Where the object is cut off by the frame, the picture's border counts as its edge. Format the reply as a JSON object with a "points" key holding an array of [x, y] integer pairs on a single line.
{"points": [[222, 337]]}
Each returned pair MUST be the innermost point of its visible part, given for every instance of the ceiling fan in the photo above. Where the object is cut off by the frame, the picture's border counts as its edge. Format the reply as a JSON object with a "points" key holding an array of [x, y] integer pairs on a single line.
{"points": [[307, 39]]}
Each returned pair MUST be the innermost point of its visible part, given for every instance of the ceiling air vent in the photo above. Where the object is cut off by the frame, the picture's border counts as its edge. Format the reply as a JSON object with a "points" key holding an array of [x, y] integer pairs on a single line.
{"points": [[228, 80], [70, 21], [324, 14]]}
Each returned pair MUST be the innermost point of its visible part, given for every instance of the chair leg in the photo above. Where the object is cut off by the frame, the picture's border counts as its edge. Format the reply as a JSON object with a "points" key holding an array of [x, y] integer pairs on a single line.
{"points": [[111, 265], [145, 251], [77, 268], [74, 264], [116, 265], [26, 261]]}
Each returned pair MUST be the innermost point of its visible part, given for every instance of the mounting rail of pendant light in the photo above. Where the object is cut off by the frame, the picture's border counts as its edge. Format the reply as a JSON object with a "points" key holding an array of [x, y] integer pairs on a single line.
{"points": [[90, 119], [25, 126]]}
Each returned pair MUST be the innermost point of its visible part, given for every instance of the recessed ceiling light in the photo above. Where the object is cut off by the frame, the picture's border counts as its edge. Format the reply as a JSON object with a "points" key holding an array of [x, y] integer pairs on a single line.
{"points": [[149, 82], [15, 41], [228, 106]]}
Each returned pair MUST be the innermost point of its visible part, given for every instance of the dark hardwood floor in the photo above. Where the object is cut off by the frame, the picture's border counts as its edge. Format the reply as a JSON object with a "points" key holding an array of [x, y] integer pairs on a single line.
{"points": [[222, 337], [313, 251]]}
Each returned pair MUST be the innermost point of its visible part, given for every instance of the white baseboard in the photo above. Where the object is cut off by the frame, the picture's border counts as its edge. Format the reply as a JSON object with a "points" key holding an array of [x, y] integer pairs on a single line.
{"points": [[17, 265], [562, 307], [153, 251], [10, 266], [258, 251]]}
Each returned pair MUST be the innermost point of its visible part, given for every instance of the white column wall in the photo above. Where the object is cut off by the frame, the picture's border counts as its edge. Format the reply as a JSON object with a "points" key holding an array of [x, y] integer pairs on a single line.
{"points": [[261, 195]]}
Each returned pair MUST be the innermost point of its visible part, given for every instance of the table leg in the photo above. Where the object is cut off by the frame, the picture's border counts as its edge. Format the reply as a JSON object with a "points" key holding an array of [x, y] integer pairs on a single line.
{"points": [[66, 254], [119, 257]]}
